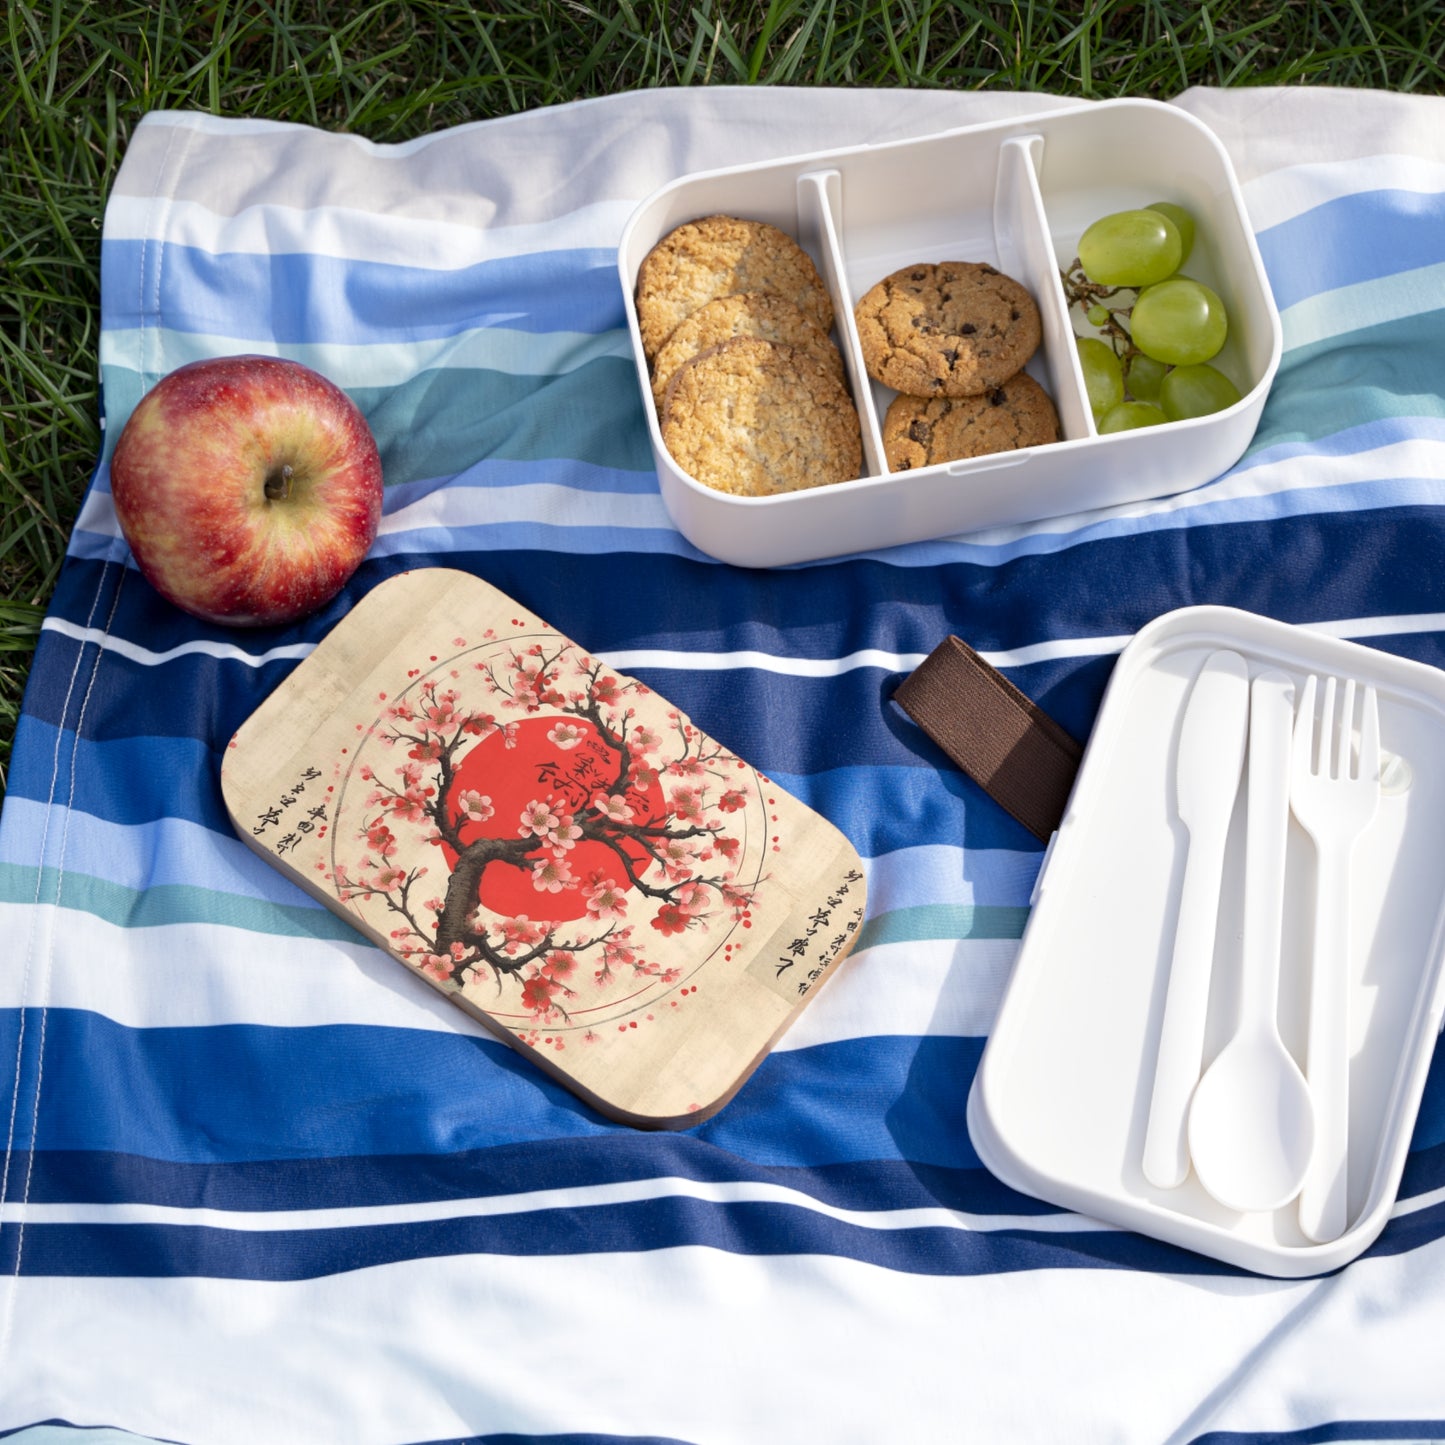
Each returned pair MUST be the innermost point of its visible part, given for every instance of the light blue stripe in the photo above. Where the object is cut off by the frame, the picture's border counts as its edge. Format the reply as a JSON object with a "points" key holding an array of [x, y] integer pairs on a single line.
{"points": [[172, 853], [168, 853], [1352, 238], [537, 537], [298, 298], [493, 472]]}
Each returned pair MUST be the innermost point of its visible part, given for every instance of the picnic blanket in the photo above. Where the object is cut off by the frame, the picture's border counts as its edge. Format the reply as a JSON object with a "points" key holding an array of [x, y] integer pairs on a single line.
{"points": [[257, 1184]]}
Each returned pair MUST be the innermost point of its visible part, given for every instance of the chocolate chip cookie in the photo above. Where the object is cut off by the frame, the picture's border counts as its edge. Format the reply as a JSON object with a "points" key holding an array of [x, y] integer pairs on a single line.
{"points": [[748, 313], [919, 432], [954, 328], [752, 417], [717, 256]]}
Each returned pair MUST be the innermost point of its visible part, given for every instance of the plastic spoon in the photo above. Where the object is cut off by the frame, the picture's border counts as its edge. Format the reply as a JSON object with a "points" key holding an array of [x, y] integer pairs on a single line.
{"points": [[1211, 755], [1251, 1122]]}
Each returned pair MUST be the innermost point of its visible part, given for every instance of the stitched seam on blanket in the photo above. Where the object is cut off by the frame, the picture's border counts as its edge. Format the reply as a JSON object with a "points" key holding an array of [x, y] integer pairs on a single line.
{"points": [[164, 190], [48, 971], [38, 922]]}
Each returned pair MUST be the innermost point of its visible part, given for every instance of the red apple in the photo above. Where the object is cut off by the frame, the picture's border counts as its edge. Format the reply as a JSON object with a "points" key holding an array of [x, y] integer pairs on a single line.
{"points": [[248, 488]]}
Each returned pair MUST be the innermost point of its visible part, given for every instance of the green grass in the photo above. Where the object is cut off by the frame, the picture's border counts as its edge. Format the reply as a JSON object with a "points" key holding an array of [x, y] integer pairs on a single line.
{"points": [[76, 77]]}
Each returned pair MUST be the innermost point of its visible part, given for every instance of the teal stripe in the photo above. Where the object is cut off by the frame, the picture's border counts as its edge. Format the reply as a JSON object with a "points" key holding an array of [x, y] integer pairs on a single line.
{"points": [[168, 903], [943, 921], [1376, 374], [486, 348], [442, 422], [439, 423]]}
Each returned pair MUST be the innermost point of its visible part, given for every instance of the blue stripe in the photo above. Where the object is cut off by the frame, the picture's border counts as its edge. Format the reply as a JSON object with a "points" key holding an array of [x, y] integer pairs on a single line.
{"points": [[756, 1229], [1378, 563], [230, 1093], [615, 1157], [56, 1431], [1354, 238], [126, 780], [296, 298], [236, 1093], [1346, 1432]]}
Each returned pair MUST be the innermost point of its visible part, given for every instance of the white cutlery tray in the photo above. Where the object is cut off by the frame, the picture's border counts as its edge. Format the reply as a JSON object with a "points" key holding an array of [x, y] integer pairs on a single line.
{"points": [[1016, 195], [1060, 1104]]}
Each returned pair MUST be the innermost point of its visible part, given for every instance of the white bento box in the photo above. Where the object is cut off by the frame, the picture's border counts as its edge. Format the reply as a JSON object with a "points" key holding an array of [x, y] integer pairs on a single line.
{"points": [[1061, 1102], [1016, 195]]}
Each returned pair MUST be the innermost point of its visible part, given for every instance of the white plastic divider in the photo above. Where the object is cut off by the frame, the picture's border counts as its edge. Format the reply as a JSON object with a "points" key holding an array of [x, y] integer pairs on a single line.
{"points": [[820, 224], [1024, 251], [1026, 248]]}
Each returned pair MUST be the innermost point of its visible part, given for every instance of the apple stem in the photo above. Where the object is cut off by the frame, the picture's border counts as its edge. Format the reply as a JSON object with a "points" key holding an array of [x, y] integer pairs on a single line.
{"points": [[278, 484]]}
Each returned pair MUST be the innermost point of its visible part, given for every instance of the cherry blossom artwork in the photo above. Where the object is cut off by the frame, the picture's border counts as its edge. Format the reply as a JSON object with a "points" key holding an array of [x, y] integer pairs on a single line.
{"points": [[576, 829], [549, 844]]}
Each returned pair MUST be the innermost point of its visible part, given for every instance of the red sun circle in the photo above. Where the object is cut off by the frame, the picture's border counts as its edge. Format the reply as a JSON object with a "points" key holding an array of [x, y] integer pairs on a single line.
{"points": [[534, 768]]}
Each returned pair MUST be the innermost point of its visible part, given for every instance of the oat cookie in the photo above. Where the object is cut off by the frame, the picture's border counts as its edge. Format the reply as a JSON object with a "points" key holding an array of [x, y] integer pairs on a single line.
{"points": [[918, 432], [955, 328], [752, 417], [716, 256], [747, 313]]}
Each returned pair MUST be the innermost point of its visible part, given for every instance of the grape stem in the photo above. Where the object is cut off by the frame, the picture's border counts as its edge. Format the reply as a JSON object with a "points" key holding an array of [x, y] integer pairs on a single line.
{"points": [[1086, 295]]}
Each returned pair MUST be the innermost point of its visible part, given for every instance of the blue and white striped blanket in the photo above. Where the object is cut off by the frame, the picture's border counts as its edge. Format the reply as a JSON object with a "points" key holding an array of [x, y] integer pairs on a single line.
{"points": [[259, 1185]]}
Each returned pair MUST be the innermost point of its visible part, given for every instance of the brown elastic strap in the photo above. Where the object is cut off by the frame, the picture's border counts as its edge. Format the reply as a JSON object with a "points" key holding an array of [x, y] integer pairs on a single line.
{"points": [[1011, 748]]}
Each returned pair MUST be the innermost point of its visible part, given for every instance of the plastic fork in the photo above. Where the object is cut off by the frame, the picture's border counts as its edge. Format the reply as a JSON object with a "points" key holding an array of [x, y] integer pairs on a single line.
{"points": [[1334, 793]]}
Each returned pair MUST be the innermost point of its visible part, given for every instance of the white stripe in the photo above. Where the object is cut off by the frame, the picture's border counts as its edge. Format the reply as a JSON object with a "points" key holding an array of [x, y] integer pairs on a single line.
{"points": [[231, 127], [1362, 305], [597, 1196], [194, 975], [544, 502], [924, 988], [1293, 190], [423, 242], [696, 1343], [354, 366], [637, 659], [1418, 1202], [203, 647], [591, 1196], [640, 658]]}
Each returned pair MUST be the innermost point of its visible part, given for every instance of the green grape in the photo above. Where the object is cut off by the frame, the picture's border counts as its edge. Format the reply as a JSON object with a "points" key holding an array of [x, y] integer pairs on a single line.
{"points": [[1129, 415], [1196, 391], [1144, 376], [1179, 322], [1130, 248], [1103, 376], [1183, 223], [1098, 315]]}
